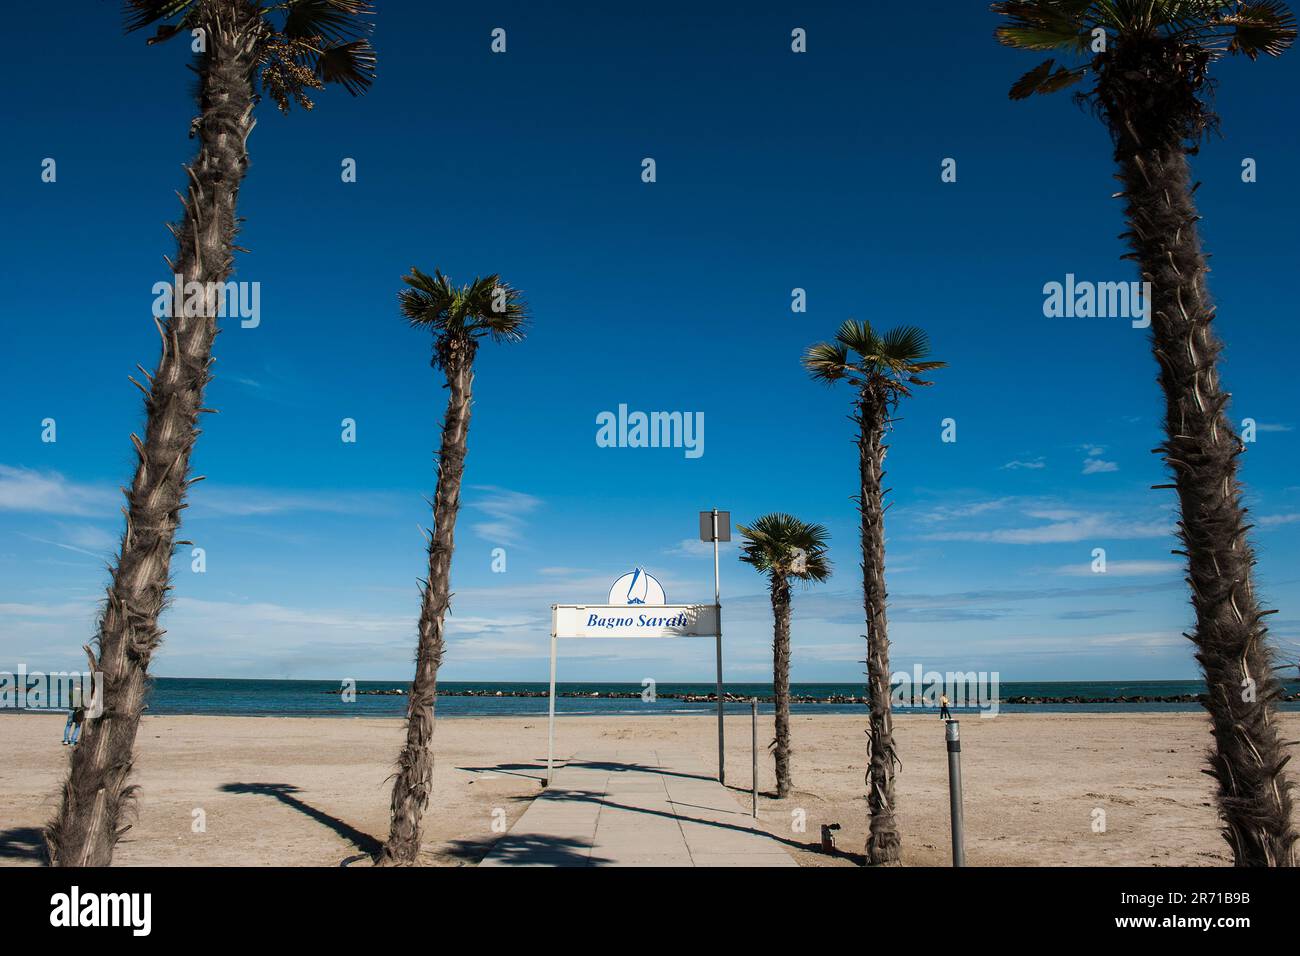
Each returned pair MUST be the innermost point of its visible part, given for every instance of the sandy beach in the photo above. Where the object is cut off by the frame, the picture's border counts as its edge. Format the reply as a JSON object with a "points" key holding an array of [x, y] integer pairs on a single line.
{"points": [[313, 791]]}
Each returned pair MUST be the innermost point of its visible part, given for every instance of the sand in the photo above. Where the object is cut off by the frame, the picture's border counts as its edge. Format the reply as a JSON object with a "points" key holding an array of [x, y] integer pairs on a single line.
{"points": [[314, 791]]}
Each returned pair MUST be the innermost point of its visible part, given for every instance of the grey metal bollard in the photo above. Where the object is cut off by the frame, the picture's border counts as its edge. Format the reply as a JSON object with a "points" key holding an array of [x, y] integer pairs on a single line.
{"points": [[753, 752], [953, 735]]}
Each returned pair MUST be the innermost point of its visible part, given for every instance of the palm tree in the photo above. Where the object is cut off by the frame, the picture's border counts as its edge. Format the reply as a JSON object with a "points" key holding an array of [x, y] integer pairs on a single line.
{"points": [[1150, 67], [293, 46], [882, 370], [783, 547], [458, 318]]}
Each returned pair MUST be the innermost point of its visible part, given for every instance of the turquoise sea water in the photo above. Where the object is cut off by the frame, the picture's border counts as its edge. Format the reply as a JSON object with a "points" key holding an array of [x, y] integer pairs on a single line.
{"points": [[304, 698]]}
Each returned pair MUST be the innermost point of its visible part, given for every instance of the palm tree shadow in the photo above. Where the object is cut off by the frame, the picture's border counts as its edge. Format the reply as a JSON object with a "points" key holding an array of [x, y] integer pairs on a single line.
{"points": [[284, 793], [22, 843]]}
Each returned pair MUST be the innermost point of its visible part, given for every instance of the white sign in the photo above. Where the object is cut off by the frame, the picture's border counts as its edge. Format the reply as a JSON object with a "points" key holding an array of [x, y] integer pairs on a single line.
{"points": [[639, 620]]}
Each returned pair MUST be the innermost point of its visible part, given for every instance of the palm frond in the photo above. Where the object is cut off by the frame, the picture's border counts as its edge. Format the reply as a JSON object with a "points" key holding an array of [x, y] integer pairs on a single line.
{"points": [[350, 65], [858, 337], [139, 14], [336, 21], [1045, 24], [1264, 26], [826, 361]]}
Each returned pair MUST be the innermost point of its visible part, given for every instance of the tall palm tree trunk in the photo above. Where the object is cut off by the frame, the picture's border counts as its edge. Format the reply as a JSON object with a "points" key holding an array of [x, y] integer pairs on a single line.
{"points": [[781, 680], [414, 781], [883, 842], [96, 795], [1201, 447]]}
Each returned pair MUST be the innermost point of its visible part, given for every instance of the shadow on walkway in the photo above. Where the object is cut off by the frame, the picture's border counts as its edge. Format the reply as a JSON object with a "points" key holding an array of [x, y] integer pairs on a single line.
{"points": [[284, 792], [529, 848]]}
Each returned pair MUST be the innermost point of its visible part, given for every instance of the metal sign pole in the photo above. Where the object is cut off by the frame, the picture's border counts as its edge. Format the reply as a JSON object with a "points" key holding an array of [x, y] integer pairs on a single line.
{"points": [[550, 745], [717, 600]]}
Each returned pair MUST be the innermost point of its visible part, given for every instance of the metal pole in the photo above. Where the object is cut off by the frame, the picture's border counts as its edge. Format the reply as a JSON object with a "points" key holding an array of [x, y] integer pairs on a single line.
{"points": [[550, 745], [953, 736], [753, 752], [717, 602]]}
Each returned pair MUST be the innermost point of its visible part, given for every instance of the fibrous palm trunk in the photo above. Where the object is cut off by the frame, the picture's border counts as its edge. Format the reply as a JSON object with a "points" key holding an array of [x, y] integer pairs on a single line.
{"points": [[883, 842], [781, 681], [1201, 447], [414, 781], [96, 794]]}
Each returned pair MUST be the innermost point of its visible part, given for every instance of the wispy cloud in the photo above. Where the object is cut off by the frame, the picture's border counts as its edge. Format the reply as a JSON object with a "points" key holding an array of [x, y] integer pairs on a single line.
{"points": [[506, 511], [695, 548], [243, 502], [1062, 527], [1097, 466], [1273, 521], [968, 510], [1122, 569], [48, 492], [1032, 464]]}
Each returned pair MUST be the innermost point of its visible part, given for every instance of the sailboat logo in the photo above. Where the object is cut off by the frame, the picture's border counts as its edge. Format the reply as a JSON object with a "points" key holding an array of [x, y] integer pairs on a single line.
{"points": [[637, 587]]}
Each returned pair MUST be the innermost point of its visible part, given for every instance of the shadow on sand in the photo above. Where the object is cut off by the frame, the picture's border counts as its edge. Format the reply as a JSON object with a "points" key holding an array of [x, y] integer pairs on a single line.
{"points": [[284, 792], [22, 843]]}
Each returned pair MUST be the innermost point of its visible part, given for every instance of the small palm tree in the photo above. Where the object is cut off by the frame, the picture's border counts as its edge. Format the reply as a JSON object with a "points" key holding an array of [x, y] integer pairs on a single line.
{"points": [[882, 370], [292, 46], [783, 547], [1150, 62], [458, 319]]}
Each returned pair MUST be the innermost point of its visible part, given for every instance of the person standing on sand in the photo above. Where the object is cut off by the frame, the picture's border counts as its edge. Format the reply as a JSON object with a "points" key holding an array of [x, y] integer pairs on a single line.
{"points": [[944, 714], [75, 717]]}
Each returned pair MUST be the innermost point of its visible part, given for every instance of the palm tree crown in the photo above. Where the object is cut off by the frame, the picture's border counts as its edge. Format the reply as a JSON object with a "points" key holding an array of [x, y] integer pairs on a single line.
{"points": [[457, 315], [1193, 31], [782, 544], [888, 364], [303, 44]]}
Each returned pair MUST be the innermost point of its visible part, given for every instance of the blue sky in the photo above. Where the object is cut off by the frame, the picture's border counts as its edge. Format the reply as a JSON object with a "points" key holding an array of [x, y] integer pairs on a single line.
{"points": [[775, 171]]}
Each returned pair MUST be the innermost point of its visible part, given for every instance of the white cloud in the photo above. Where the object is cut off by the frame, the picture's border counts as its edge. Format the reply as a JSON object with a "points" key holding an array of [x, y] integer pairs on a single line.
{"points": [[1033, 464], [1122, 569], [1272, 521], [1096, 466], [48, 492], [949, 512], [1067, 527], [506, 509], [695, 548]]}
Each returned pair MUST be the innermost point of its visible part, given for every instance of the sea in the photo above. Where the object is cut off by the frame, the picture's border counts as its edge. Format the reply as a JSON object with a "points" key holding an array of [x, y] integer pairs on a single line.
{"points": [[311, 698]]}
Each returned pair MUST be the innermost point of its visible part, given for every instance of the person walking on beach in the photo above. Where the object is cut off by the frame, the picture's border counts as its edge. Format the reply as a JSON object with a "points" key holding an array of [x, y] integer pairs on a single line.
{"points": [[75, 717], [944, 713]]}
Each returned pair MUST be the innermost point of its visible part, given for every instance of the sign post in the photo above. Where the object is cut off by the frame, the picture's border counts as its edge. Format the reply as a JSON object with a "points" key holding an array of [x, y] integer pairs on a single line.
{"points": [[715, 526]]}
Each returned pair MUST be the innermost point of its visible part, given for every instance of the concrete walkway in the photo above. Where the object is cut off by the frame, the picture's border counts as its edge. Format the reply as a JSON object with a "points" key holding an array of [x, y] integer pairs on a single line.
{"points": [[636, 808]]}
